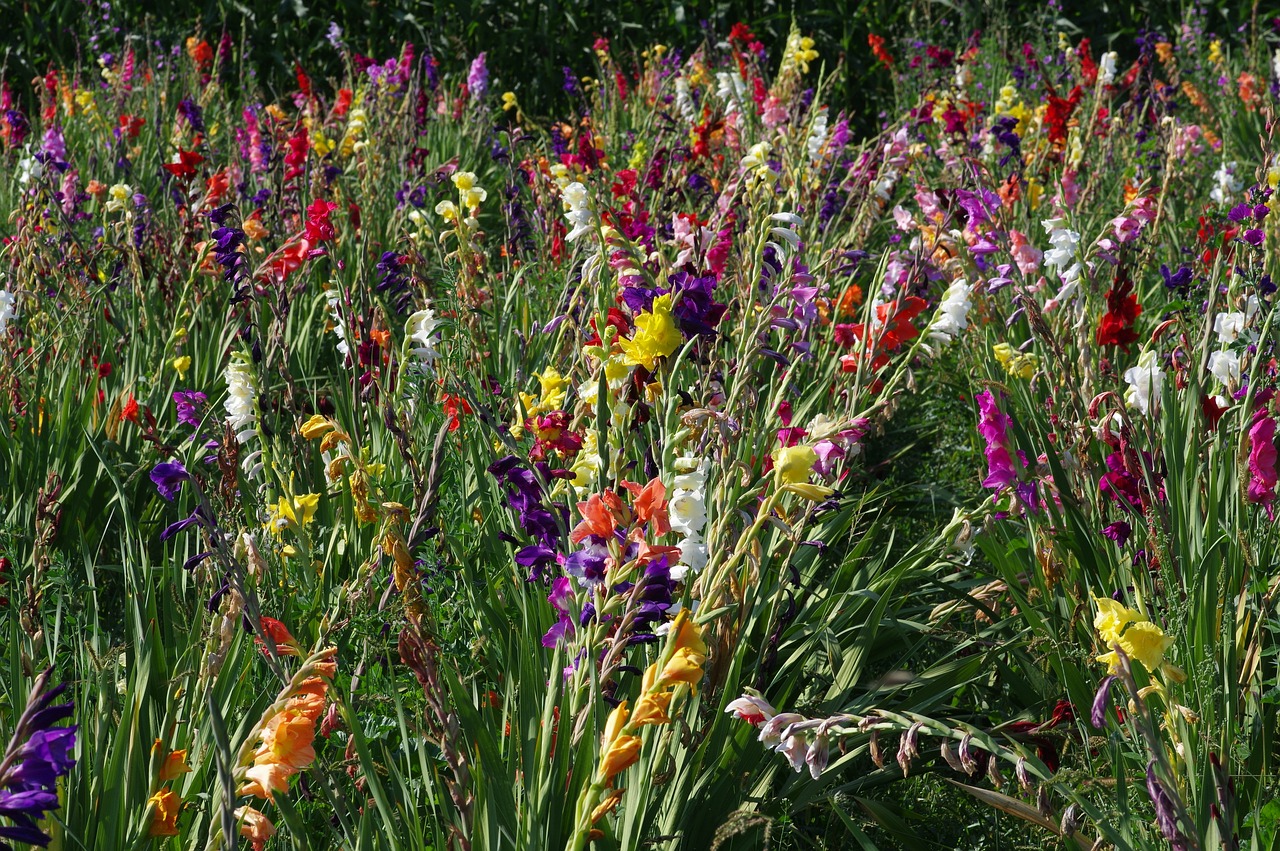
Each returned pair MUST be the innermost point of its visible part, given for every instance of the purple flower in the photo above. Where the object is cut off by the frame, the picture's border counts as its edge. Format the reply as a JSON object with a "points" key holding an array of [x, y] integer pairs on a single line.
{"points": [[696, 312], [1118, 532], [169, 476], [188, 404], [478, 77], [1098, 714], [38, 754]]}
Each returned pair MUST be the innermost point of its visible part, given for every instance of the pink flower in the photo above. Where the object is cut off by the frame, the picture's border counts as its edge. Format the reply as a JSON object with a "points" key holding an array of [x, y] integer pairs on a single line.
{"points": [[1262, 460], [1026, 255]]}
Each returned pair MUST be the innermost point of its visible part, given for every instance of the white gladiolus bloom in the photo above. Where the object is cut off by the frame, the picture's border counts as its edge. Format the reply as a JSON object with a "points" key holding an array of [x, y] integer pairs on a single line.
{"points": [[1146, 382], [817, 135], [577, 210], [1064, 242], [1107, 68], [687, 509], [1228, 326], [241, 398], [8, 311], [338, 328], [421, 331], [757, 156], [1225, 366], [1226, 183], [684, 101], [953, 313], [731, 90]]}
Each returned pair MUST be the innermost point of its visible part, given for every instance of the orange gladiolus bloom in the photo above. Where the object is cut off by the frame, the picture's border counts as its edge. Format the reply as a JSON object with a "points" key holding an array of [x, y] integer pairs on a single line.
{"points": [[255, 827], [164, 816]]}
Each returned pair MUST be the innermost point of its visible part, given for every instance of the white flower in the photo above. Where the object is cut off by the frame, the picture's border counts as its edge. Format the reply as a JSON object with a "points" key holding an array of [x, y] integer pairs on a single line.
{"points": [[577, 209], [7, 310], [953, 312], [241, 396], [1226, 183], [1146, 381], [1228, 326], [688, 511], [1225, 366], [684, 102], [757, 156], [421, 331], [817, 135], [338, 328], [1064, 242], [1107, 68], [731, 90]]}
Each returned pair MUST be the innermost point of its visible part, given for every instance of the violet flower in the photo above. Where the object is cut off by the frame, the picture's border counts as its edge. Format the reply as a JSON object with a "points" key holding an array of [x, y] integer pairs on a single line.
{"points": [[168, 477], [188, 404], [38, 754]]}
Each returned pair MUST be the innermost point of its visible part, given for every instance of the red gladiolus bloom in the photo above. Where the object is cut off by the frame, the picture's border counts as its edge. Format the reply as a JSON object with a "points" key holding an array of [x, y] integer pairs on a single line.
{"points": [[1116, 328], [185, 166]]}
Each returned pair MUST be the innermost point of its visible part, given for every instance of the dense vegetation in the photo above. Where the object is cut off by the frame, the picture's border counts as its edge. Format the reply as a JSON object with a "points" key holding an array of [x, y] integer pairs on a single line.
{"points": [[640, 448]]}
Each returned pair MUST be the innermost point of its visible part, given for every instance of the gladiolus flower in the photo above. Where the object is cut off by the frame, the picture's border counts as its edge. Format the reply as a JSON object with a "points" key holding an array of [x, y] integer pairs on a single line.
{"points": [[164, 815], [317, 426], [792, 464], [656, 335], [255, 827]]}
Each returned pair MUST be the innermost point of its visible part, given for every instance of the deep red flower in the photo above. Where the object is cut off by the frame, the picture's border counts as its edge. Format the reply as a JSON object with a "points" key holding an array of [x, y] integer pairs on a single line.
{"points": [[185, 166]]}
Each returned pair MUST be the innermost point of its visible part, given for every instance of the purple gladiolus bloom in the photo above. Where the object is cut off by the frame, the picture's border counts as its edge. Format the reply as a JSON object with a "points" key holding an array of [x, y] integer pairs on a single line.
{"points": [[1098, 714], [38, 754], [188, 404], [168, 477], [1118, 532]]}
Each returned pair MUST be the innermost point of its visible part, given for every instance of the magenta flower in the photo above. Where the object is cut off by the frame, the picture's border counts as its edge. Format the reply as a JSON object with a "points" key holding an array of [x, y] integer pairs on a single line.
{"points": [[993, 426], [1262, 460]]}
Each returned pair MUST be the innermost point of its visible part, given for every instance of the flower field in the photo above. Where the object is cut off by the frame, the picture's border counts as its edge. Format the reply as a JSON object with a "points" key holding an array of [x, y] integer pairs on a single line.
{"points": [[384, 467]]}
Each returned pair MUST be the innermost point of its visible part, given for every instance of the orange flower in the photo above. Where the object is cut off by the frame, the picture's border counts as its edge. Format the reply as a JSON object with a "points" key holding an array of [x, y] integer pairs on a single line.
{"points": [[285, 739], [685, 664], [255, 827], [618, 751], [596, 520], [174, 765], [164, 815], [652, 709], [650, 505]]}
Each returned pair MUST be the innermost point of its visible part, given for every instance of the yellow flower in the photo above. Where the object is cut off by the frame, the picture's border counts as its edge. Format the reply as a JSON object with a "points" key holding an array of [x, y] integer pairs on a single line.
{"points": [[811, 492], [1215, 51], [1112, 618], [294, 512], [509, 101], [164, 816], [656, 335], [1016, 363], [447, 210], [1145, 642], [181, 365], [315, 427], [792, 464]]}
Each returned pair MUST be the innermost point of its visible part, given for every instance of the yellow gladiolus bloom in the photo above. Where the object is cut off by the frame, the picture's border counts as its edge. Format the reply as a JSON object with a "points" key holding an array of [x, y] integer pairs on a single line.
{"points": [[1145, 642], [792, 464], [181, 365], [656, 335]]}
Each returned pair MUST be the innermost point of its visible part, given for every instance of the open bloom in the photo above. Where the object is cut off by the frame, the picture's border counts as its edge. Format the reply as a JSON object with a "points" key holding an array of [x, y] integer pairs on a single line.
{"points": [[38, 754], [1146, 382], [656, 335]]}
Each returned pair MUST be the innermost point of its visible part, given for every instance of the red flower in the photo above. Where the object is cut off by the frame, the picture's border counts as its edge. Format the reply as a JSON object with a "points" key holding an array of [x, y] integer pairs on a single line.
{"points": [[1059, 113], [1116, 328], [131, 126], [319, 229], [877, 47], [185, 166], [454, 408], [130, 410]]}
